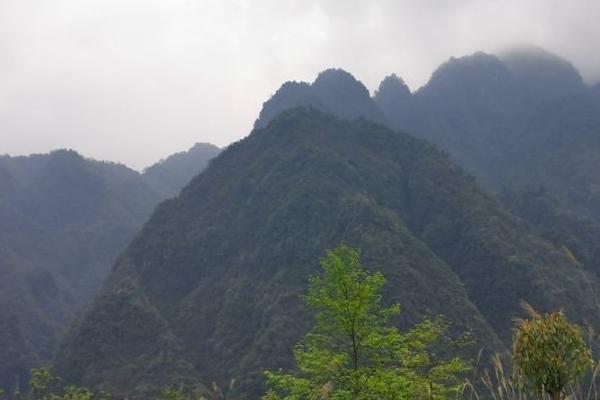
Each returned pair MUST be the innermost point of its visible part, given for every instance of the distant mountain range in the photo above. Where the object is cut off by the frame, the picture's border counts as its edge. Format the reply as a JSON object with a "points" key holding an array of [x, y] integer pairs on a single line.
{"points": [[63, 221]]}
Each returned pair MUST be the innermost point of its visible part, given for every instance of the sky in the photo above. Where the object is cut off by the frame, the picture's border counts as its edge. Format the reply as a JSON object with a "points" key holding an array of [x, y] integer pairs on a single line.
{"points": [[133, 81]]}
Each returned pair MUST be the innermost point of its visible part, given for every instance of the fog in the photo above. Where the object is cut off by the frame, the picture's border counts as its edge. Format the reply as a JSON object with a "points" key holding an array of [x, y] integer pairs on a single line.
{"points": [[135, 80]]}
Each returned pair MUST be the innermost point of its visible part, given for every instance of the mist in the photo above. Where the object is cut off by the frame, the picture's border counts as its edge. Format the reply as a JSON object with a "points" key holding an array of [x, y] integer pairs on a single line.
{"points": [[136, 80]]}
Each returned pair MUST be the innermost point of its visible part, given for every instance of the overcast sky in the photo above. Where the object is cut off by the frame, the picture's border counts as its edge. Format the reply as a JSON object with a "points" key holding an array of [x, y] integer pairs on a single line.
{"points": [[136, 80]]}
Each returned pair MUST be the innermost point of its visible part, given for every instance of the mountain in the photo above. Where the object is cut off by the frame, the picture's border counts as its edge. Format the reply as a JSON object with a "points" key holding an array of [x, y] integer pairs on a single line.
{"points": [[211, 288], [395, 100], [334, 91], [168, 176], [63, 221], [524, 118], [455, 108]]}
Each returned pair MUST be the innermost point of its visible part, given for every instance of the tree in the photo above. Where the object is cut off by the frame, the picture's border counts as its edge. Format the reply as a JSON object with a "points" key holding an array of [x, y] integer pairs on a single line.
{"points": [[41, 383], [353, 352], [74, 393], [549, 354]]}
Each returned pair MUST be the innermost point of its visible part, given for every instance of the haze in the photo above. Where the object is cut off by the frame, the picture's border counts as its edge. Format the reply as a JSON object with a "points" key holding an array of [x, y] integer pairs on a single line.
{"points": [[136, 80]]}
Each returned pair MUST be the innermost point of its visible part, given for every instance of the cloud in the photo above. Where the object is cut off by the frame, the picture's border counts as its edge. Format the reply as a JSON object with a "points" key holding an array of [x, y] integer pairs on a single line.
{"points": [[135, 80]]}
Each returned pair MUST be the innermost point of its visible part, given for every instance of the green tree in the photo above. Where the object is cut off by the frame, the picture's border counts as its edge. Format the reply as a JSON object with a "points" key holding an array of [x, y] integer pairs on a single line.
{"points": [[353, 352], [549, 354], [74, 393], [40, 383], [43, 386]]}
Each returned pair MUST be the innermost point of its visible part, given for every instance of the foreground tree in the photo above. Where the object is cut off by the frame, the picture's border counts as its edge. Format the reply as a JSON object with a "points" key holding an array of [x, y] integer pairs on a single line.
{"points": [[354, 353], [549, 354]]}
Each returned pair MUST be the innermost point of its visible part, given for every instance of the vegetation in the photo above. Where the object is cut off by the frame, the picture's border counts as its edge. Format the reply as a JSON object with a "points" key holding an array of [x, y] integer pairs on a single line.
{"points": [[550, 354], [550, 360], [354, 353]]}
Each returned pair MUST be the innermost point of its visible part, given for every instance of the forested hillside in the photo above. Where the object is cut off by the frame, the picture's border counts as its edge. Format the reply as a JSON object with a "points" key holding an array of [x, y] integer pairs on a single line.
{"points": [[63, 221], [211, 288]]}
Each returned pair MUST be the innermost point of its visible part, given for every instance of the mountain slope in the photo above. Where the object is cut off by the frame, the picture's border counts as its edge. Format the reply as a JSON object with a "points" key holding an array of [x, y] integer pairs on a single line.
{"points": [[217, 273], [168, 176], [63, 221], [577, 236]]}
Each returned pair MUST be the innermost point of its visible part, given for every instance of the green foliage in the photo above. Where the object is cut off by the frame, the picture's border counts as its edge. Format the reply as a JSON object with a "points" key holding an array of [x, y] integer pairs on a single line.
{"points": [[41, 383], [172, 394], [502, 382], [353, 352], [550, 353], [74, 393]]}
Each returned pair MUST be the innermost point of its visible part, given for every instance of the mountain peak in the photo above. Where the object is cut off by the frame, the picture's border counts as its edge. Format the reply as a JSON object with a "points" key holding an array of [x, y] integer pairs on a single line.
{"points": [[468, 70], [395, 100], [543, 75], [337, 78], [526, 56], [334, 91], [66, 154], [392, 84]]}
